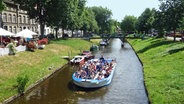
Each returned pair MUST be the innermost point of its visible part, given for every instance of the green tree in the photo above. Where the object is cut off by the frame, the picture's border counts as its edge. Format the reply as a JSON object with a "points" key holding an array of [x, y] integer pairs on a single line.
{"points": [[36, 9], [128, 24], [144, 23], [102, 16], [173, 13], [54, 17], [159, 22], [76, 15], [111, 26], [89, 22], [2, 5]]}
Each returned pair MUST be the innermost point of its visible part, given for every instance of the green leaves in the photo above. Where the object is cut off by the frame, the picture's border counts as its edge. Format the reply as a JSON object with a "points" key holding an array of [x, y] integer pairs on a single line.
{"points": [[21, 81], [128, 24], [2, 5]]}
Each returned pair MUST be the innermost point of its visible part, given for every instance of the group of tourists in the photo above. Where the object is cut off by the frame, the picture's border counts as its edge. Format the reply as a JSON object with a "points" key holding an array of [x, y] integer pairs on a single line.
{"points": [[95, 69]]}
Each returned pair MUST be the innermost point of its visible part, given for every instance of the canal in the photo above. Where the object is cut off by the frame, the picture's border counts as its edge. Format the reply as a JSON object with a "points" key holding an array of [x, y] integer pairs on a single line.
{"points": [[127, 86]]}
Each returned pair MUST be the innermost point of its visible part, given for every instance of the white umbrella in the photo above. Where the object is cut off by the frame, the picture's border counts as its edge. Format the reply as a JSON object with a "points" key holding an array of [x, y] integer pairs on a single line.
{"points": [[4, 32], [26, 33]]}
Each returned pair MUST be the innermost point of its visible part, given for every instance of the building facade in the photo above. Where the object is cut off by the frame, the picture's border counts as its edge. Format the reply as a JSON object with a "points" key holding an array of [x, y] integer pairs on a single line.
{"points": [[15, 19]]}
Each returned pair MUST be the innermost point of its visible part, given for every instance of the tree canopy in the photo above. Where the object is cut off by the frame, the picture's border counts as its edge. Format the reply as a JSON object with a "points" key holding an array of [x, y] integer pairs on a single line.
{"points": [[173, 13], [145, 21], [128, 24], [2, 5], [102, 16]]}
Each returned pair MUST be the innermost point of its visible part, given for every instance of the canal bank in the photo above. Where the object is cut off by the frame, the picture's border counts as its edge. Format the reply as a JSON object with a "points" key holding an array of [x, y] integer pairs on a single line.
{"points": [[35, 65], [29, 89], [127, 86]]}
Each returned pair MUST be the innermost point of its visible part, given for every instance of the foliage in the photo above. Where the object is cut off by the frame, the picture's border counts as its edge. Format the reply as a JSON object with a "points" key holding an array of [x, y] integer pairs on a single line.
{"points": [[163, 69], [112, 26], [144, 23], [21, 81], [43, 41], [31, 46], [2, 5], [128, 24], [159, 22], [173, 13], [89, 22], [36, 9], [102, 16]]}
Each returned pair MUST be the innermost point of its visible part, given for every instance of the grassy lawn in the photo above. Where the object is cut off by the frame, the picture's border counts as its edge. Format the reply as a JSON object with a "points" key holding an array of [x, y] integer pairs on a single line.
{"points": [[163, 69], [36, 64]]}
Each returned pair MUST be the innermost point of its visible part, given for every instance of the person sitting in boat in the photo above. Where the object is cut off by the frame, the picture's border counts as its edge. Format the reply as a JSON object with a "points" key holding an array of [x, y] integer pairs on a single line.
{"points": [[78, 73], [83, 74], [102, 58], [92, 74], [101, 76]]}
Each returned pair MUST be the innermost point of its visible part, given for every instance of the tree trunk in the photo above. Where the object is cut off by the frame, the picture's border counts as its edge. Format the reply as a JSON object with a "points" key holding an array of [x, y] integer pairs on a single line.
{"points": [[63, 34], [56, 29], [72, 34], [174, 35], [42, 26]]}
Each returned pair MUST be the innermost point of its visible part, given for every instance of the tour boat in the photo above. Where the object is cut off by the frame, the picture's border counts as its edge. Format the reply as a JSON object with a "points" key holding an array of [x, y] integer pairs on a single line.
{"points": [[99, 79], [77, 60]]}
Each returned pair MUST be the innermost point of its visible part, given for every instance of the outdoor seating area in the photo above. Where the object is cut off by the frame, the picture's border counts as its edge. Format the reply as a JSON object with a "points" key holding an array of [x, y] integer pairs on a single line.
{"points": [[24, 40]]}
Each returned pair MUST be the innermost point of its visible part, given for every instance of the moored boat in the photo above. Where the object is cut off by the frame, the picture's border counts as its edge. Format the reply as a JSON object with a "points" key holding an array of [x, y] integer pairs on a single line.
{"points": [[87, 54], [77, 60], [95, 73], [103, 43]]}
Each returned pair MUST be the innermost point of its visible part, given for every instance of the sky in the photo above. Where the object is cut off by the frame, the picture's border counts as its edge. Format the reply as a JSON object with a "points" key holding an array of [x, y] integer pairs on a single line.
{"points": [[121, 8]]}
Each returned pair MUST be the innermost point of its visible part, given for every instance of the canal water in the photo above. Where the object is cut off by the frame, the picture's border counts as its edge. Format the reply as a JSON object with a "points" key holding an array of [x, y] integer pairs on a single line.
{"points": [[127, 86]]}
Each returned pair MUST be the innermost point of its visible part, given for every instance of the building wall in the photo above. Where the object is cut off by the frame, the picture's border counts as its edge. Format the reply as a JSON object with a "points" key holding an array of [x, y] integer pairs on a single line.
{"points": [[14, 19]]}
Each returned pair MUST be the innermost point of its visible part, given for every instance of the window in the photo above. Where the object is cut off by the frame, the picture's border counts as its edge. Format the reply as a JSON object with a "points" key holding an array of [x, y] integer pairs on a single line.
{"points": [[10, 28], [32, 28], [27, 20], [14, 18], [20, 19], [5, 27], [14, 29], [24, 19], [5, 17], [30, 21], [9, 18], [20, 28]]}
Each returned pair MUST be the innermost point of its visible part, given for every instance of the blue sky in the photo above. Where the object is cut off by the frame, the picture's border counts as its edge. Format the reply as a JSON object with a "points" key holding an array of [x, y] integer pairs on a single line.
{"points": [[121, 8]]}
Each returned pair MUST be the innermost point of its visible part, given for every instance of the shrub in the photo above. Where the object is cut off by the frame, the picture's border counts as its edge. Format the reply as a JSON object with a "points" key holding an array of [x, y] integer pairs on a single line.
{"points": [[21, 81], [43, 41], [31, 46]]}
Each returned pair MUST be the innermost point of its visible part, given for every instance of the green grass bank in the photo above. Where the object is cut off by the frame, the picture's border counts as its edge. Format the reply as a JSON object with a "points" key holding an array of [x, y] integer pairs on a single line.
{"points": [[36, 65], [163, 69]]}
